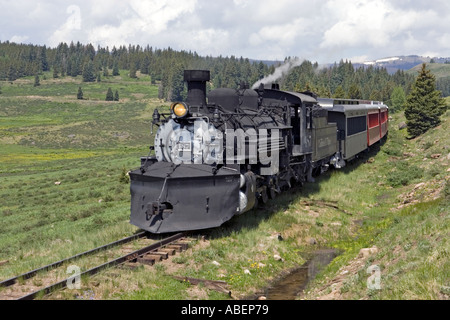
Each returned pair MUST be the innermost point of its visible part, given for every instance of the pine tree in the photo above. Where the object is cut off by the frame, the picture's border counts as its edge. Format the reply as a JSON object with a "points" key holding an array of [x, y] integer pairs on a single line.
{"points": [[133, 70], [161, 91], [109, 95], [354, 92], [88, 72], [43, 59], [145, 67], [11, 73], [424, 105], [339, 93], [75, 67], [55, 73], [398, 99], [116, 96], [80, 94], [69, 68], [36, 81], [375, 95], [115, 69], [176, 82]]}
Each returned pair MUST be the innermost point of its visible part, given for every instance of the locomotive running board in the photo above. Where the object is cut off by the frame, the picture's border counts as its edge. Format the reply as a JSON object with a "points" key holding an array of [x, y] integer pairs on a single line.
{"points": [[172, 198]]}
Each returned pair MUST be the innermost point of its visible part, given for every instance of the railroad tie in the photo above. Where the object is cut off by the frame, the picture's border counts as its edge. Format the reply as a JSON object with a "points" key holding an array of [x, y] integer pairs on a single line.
{"points": [[164, 255], [170, 252], [179, 246], [146, 261], [175, 247], [149, 259], [184, 243]]}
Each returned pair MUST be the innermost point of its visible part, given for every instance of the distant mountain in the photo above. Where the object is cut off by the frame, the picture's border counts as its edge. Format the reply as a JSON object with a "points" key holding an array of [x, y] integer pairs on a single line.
{"points": [[392, 64]]}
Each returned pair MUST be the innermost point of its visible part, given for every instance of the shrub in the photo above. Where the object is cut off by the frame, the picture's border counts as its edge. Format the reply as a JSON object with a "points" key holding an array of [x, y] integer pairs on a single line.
{"points": [[393, 151], [109, 95], [403, 174], [80, 94], [447, 189], [124, 176]]}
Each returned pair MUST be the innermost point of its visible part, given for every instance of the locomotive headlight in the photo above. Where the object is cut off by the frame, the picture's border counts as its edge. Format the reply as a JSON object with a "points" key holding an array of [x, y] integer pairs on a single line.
{"points": [[179, 109]]}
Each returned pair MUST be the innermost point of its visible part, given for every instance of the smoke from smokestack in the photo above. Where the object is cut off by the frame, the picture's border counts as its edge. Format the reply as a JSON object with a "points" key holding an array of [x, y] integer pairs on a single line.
{"points": [[279, 72]]}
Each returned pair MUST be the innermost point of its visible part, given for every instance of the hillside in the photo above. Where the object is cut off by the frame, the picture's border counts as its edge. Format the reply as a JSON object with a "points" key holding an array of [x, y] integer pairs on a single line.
{"points": [[440, 70], [442, 74], [409, 245]]}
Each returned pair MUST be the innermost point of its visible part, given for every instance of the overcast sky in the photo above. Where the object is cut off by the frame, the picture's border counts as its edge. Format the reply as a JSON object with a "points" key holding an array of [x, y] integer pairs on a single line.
{"points": [[317, 30]]}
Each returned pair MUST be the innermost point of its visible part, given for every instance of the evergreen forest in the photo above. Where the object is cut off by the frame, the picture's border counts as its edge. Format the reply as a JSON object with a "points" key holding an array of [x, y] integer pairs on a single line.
{"points": [[165, 66]]}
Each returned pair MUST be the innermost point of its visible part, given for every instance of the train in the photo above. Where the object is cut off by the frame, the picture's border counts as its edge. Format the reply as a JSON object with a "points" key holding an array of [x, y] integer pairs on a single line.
{"points": [[221, 153]]}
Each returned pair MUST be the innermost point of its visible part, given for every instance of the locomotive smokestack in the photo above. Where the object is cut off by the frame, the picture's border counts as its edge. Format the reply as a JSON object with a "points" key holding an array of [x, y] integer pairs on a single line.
{"points": [[196, 80]]}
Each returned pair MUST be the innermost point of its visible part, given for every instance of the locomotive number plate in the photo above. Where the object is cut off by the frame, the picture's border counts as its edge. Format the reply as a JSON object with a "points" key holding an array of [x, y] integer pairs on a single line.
{"points": [[185, 146]]}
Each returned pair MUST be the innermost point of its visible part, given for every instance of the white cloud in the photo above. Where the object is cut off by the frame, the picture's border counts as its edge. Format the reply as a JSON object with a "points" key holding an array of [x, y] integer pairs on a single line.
{"points": [[209, 40], [67, 31], [281, 34], [323, 31], [241, 3], [142, 20], [444, 41], [19, 39], [154, 16], [379, 26], [360, 23]]}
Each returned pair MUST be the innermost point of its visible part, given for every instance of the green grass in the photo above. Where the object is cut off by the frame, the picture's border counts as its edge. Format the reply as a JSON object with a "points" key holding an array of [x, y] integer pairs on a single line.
{"points": [[131, 89], [48, 136]]}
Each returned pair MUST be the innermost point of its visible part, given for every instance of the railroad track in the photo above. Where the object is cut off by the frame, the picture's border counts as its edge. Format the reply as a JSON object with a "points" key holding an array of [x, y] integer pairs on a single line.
{"points": [[148, 254]]}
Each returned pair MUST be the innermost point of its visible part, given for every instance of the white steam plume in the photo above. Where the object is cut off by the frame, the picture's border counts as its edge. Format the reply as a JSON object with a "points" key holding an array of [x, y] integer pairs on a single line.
{"points": [[279, 72]]}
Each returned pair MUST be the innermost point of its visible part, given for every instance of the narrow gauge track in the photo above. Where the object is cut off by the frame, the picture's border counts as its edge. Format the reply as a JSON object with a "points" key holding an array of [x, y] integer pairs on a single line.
{"points": [[147, 255]]}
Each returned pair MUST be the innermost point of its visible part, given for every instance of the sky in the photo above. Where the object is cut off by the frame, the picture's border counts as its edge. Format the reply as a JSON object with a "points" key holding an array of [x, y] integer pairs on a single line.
{"points": [[325, 31]]}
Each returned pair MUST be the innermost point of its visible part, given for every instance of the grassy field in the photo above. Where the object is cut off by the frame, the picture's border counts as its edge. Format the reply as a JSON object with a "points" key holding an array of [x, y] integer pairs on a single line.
{"points": [[394, 198], [48, 136]]}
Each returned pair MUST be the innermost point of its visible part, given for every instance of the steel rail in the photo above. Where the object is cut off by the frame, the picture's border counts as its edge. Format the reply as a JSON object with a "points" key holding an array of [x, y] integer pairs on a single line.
{"points": [[30, 274], [128, 257]]}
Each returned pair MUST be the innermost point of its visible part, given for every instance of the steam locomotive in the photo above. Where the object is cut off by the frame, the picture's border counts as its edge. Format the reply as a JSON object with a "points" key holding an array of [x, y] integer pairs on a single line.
{"points": [[219, 155]]}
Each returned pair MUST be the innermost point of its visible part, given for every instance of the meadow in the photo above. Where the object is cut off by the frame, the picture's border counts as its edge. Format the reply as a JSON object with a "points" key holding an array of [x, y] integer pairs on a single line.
{"points": [[47, 136], [62, 164]]}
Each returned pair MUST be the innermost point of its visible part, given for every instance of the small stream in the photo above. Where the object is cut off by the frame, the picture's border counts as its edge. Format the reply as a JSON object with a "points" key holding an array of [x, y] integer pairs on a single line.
{"points": [[293, 284]]}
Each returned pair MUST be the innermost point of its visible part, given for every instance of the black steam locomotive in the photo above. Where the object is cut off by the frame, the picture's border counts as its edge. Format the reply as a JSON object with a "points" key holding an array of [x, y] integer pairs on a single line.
{"points": [[219, 155]]}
